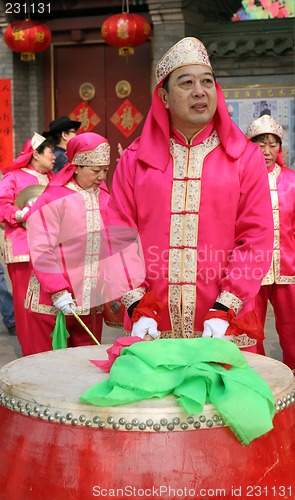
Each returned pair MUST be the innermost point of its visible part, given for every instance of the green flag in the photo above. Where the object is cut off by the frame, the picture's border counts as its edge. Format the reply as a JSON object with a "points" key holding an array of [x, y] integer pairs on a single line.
{"points": [[60, 333]]}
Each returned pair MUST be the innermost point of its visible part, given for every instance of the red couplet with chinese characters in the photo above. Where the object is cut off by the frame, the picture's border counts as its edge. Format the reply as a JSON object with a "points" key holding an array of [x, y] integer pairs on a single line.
{"points": [[54, 447], [6, 140]]}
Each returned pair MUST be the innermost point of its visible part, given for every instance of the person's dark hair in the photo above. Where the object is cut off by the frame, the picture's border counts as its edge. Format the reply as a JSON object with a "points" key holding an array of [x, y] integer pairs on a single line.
{"points": [[263, 137], [42, 146]]}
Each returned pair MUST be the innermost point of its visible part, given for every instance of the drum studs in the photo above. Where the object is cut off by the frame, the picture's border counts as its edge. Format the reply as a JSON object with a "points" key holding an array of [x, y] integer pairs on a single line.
{"points": [[22, 409], [279, 402], [209, 423], [149, 422], [41, 414], [135, 422], [88, 423], [57, 414], [50, 418], [164, 422], [28, 406], [82, 418], [116, 426], [13, 401], [69, 416], [31, 413], [157, 427], [142, 426], [122, 421], [46, 412], [184, 426], [36, 409], [63, 420], [197, 424], [278, 409], [170, 426], [176, 421], [110, 420], [128, 426], [102, 425], [190, 420], [215, 418], [20, 403], [75, 421], [202, 418], [96, 420]]}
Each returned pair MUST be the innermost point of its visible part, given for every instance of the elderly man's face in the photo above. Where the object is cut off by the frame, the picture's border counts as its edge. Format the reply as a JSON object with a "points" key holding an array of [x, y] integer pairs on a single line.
{"points": [[191, 98]]}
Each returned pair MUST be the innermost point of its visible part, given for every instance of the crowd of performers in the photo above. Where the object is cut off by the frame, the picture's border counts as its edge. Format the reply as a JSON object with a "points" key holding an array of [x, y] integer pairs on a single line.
{"points": [[195, 237]]}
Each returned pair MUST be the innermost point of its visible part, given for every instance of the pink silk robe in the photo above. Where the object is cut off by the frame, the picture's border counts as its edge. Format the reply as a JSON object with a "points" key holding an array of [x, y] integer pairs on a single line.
{"points": [[278, 285], [15, 237], [205, 224]]}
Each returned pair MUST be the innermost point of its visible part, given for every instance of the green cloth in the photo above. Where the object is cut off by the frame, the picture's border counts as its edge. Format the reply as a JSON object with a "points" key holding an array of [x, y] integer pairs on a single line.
{"points": [[189, 369], [60, 333]]}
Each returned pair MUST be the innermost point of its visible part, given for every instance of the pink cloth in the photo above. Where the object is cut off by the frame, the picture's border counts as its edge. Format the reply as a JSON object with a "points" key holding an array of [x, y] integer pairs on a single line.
{"points": [[78, 144], [235, 226], [286, 196], [65, 230], [19, 274], [114, 352], [23, 158]]}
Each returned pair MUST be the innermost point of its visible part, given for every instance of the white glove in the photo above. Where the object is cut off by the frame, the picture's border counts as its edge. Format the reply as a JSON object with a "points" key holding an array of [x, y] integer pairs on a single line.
{"points": [[65, 303], [216, 328], [143, 326]]}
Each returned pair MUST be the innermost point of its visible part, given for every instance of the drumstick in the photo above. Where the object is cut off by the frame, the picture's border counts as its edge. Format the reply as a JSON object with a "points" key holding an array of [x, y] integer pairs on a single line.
{"points": [[85, 327]]}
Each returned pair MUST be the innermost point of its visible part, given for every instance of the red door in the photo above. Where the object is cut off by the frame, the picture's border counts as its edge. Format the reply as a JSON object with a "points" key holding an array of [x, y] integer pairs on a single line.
{"points": [[122, 87]]}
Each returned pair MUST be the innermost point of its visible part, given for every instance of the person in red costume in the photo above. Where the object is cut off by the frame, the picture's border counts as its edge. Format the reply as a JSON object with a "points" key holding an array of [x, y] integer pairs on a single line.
{"points": [[65, 229], [196, 189], [278, 286], [33, 165]]}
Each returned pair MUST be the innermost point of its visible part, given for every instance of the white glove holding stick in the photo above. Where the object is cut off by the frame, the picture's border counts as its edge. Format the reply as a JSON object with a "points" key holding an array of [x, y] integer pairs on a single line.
{"points": [[65, 303]]}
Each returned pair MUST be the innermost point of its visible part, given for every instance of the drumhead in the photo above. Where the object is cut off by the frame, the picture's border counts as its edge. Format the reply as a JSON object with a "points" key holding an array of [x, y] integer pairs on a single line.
{"points": [[48, 386]]}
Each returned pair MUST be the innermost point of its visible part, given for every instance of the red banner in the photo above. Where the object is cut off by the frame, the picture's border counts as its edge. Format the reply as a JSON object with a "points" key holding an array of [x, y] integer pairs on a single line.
{"points": [[6, 140]]}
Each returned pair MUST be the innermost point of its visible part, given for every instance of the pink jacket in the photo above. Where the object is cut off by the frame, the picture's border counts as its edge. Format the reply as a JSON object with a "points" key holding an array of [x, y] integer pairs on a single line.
{"points": [[65, 231], [205, 224], [15, 238], [282, 188]]}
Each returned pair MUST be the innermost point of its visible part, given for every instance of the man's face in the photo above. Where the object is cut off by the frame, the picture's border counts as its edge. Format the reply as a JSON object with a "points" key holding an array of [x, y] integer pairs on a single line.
{"points": [[191, 98]]}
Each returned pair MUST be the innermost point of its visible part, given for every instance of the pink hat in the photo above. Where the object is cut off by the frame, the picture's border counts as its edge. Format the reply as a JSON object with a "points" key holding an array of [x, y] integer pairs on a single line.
{"points": [[26, 153], [87, 149]]}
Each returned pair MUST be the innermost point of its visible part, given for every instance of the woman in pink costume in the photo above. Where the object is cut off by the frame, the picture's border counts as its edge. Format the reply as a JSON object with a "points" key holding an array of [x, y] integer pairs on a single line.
{"points": [[65, 229], [196, 190], [34, 165], [278, 285]]}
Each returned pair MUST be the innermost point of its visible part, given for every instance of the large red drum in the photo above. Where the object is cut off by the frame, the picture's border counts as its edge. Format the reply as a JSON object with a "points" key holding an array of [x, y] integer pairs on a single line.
{"points": [[54, 447]]}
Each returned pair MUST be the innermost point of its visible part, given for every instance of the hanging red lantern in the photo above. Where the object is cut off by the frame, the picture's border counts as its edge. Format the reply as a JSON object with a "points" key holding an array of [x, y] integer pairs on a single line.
{"points": [[125, 31], [27, 37]]}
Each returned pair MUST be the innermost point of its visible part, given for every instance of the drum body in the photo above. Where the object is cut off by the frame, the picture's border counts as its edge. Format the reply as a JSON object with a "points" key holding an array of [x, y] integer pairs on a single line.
{"points": [[113, 314], [53, 447]]}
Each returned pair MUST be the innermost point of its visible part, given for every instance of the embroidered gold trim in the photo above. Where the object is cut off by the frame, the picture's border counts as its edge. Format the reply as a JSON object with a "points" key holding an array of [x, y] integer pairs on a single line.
{"points": [[95, 157], [9, 257], [185, 205], [133, 296], [230, 300], [43, 179], [57, 295], [274, 273]]}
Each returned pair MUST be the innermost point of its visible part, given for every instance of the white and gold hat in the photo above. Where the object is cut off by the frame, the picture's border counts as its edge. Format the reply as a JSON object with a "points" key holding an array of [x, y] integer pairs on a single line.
{"points": [[95, 157], [37, 140], [264, 125], [187, 51]]}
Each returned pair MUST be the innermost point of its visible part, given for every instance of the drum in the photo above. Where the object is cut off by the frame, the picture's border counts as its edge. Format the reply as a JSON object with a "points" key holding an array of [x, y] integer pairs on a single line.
{"points": [[113, 314], [54, 447]]}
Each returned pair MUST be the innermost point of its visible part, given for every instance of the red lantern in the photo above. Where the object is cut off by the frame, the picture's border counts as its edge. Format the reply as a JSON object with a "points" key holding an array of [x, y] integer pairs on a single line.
{"points": [[125, 31], [27, 37]]}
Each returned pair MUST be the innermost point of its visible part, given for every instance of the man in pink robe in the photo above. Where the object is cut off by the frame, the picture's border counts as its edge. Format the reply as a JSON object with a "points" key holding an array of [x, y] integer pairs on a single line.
{"points": [[196, 189], [278, 285]]}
